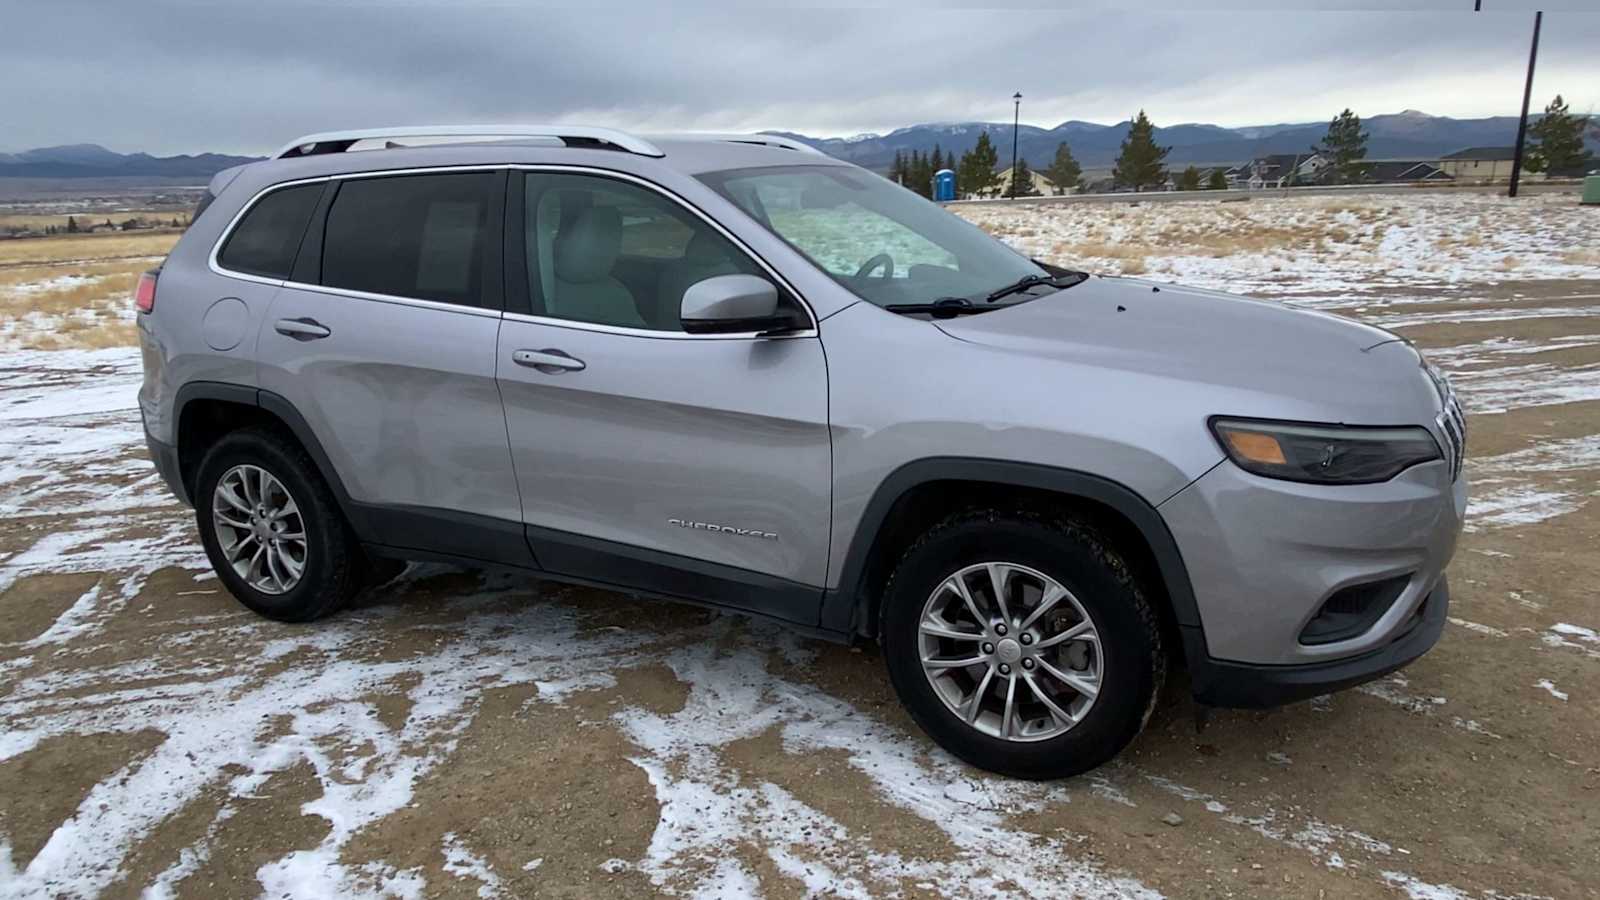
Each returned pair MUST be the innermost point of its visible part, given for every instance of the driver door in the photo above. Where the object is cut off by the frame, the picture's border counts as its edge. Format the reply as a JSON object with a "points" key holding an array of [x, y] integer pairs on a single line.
{"points": [[695, 465]]}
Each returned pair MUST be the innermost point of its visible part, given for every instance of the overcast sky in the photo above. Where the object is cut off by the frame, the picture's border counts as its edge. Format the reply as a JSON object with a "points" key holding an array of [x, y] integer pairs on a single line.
{"points": [[234, 76]]}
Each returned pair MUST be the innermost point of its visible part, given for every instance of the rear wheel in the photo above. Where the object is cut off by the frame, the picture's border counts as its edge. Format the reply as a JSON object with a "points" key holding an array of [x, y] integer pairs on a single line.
{"points": [[272, 528], [1021, 644]]}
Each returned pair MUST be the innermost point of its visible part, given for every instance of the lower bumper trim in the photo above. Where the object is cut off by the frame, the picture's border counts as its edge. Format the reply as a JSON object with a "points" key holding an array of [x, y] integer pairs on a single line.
{"points": [[1252, 686], [165, 457]]}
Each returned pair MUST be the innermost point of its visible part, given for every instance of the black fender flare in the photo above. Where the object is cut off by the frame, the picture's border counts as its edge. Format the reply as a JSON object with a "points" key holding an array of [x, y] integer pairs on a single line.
{"points": [[281, 409], [848, 607]]}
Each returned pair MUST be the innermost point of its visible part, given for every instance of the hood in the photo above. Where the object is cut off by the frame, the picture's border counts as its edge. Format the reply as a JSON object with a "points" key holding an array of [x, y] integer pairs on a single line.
{"points": [[1208, 337]]}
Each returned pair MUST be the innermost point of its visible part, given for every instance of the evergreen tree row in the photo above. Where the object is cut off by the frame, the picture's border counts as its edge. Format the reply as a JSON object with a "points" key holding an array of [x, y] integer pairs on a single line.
{"points": [[1557, 146]]}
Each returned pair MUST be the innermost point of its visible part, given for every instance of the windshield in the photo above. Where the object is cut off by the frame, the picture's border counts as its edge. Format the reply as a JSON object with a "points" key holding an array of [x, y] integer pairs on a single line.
{"points": [[881, 241]]}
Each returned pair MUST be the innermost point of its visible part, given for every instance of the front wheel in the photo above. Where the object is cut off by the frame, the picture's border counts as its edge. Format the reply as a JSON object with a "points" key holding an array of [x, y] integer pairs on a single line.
{"points": [[1022, 644]]}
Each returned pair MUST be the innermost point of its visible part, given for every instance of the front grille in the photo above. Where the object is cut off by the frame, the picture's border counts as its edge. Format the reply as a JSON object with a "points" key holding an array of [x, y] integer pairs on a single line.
{"points": [[1452, 422]]}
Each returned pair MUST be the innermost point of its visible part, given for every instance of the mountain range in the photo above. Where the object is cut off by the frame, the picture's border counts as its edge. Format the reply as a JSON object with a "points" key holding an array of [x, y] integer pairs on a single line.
{"points": [[1409, 134], [95, 161]]}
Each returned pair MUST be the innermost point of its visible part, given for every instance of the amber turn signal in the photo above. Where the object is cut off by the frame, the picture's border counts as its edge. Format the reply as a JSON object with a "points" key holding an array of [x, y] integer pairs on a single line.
{"points": [[1255, 446]]}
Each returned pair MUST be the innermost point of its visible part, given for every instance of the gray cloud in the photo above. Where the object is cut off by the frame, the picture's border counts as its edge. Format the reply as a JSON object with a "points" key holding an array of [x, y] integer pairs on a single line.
{"points": [[246, 76]]}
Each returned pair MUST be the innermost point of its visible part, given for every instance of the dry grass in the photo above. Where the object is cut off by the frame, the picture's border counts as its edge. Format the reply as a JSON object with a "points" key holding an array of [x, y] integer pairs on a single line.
{"points": [[91, 311], [44, 220], [86, 247], [78, 334]]}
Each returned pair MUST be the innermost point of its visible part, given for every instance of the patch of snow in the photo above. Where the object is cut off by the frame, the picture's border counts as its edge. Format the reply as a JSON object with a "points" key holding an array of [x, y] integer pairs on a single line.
{"points": [[463, 863], [1550, 686], [1575, 637], [1488, 630], [1389, 690]]}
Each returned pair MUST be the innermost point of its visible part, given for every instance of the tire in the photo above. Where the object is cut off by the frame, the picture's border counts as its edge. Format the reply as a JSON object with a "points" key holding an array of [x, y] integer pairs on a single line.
{"points": [[332, 566], [1081, 731]]}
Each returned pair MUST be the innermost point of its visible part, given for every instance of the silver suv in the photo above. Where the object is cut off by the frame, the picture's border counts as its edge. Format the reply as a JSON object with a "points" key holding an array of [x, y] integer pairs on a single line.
{"points": [[731, 370]]}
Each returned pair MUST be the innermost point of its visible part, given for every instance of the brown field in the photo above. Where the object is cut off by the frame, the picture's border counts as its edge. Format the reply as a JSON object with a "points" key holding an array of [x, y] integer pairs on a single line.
{"points": [[59, 293], [41, 221], [67, 249]]}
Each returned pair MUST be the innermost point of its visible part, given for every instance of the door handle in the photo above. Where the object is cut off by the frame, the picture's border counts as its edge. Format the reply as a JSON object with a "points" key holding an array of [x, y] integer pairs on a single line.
{"points": [[302, 329], [549, 361]]}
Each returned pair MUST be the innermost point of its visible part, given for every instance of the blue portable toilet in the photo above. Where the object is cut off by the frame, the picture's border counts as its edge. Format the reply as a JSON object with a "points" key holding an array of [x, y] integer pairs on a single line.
{"points": [[944, 185]]}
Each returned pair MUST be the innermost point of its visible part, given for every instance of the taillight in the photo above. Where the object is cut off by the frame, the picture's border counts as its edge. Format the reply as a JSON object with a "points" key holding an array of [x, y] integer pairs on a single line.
{"points": [[144, 295]]}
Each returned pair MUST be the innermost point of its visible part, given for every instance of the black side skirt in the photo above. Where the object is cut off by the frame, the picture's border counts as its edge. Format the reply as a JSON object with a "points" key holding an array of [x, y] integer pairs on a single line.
{"points": [[403, 532]]}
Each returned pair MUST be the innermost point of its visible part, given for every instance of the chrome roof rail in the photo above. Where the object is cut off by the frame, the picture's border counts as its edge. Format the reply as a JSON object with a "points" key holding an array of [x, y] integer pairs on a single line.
{"points": [[579, 135], [765, 140]]}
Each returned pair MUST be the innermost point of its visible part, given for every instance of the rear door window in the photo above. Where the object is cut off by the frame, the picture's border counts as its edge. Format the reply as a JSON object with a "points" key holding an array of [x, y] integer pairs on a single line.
{"points": [[265, 241], [421, 236]]}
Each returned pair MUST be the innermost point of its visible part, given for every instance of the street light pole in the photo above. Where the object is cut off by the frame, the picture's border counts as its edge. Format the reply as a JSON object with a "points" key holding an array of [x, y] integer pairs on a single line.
{"points": [[1527, 93], [1016, 114]]}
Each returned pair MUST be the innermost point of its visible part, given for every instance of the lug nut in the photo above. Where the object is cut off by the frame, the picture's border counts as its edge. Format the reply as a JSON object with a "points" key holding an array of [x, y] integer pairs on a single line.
{"points": [[1027, 664], [1027, 638], [1000, 629], [1005, 669], [988, 648]]}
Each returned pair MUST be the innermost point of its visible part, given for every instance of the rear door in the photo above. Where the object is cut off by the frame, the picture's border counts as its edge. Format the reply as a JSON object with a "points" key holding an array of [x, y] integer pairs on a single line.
{"points": [[383, 341], [684, 464]]}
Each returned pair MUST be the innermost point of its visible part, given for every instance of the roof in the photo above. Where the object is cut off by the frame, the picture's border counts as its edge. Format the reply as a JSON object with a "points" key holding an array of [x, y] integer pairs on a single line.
{"points": [[1403, 170], [1484, 153]]}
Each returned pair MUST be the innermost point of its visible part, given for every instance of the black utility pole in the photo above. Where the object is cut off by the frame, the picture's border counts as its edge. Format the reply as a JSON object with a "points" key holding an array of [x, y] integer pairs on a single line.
{"points": [[1527, 93], [1016, 115]]}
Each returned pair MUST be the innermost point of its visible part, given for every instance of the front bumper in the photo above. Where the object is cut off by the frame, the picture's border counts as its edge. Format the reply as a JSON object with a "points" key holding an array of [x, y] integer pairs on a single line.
{"points": [[1266, 556], [1251, 686]]}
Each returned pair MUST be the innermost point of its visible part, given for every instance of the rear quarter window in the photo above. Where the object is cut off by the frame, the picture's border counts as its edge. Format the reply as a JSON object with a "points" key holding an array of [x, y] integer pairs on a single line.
{"points": [[420, 236], [266, 239]]}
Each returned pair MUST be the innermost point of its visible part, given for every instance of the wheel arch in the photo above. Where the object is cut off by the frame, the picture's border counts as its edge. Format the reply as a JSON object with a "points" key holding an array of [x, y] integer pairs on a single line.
{"points": [[918, 493], [205, 410]]}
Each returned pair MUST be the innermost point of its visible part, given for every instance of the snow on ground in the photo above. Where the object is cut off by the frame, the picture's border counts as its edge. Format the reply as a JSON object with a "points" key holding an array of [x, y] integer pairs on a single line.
{"points": [[235, 716], [1331, 245], [73, 448], [1564, 480], [1549, 686]]}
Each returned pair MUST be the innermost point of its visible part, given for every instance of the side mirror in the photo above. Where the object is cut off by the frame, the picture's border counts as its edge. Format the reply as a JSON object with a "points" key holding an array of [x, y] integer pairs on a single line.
{"points": [[731, 304]]}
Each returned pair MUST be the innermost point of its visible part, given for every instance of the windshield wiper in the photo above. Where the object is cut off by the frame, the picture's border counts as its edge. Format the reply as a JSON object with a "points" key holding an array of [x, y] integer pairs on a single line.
{"points": [[1027, 281], [942, 308]]}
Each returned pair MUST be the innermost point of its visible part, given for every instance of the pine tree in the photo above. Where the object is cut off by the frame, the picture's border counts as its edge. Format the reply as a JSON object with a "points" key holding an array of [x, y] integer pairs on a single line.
{"points": [[1189, 180], [1560, 140], [937, 162], [1345, 146], [920, 174], [897, 169], [976, 174], [72, 225], [1064, 170], [1139, 164], [1218, 181], [1022, 180]]}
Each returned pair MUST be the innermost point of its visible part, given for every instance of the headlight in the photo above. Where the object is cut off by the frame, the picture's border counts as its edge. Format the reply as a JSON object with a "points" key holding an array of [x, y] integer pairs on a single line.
{"points": [[1323, 454]]}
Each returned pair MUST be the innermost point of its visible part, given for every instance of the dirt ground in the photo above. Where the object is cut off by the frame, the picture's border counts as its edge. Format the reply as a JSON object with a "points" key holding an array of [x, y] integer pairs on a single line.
{"points": [[472, 734]]}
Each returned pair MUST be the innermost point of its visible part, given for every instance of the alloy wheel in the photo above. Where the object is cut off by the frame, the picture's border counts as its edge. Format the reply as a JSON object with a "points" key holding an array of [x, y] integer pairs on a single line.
{"points": [[260, 529], [1010, 651]]}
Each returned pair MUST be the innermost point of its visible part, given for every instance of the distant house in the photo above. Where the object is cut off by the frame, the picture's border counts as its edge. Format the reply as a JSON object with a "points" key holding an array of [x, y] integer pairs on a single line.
{"points": [[1399, 171], [1042, 186], [1282, 170], [1480, 164]]}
